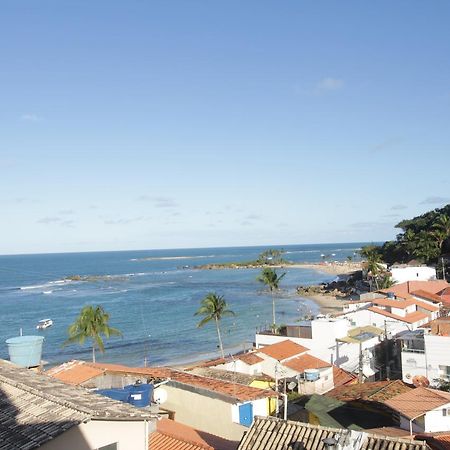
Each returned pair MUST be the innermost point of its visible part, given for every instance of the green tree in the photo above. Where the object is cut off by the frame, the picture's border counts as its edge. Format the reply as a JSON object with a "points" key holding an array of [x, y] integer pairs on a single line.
{"points": [[271, 280], [441, 230], [92, 323], [214, 307], [426, 247]]}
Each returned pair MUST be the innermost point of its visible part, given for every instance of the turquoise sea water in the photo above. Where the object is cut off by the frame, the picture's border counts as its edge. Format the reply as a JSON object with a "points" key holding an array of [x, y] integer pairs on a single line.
{"points": [[152, 297]]}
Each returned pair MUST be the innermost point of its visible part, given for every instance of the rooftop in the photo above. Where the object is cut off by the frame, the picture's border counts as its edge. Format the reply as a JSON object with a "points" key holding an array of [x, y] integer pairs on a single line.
{"points": [[416, 316], [439, 327], [361, 334], [408, 287], [35, 409], [283, 350], [228, 375], [303, 362], [232, 391], [377, 391], [171, 435], [269, 433], [427, 295], [418, 401]]}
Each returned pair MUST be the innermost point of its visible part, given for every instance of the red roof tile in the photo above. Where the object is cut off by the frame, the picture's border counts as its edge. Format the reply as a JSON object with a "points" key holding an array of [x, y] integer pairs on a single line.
{"points": [[409, 318], [426, 306], [439, 327], [342, 377], [171, 435], [301, 363], [377, 391], [418, 401], [433, 286], [427, 295], [283, 350], [250, 358], [74, 372], [400, 304]]}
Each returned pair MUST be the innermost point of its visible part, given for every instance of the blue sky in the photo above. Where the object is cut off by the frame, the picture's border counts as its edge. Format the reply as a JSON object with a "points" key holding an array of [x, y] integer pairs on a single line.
{"points": [[162, 124]]}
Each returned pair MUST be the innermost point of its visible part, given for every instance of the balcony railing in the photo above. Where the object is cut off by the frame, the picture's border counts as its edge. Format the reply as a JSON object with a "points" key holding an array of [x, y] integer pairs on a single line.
{"points": [[413, 350]]}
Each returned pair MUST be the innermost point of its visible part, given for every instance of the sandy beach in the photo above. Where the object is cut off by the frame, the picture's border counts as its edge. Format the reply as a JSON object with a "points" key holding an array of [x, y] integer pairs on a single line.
{"points": [[334, 268]]}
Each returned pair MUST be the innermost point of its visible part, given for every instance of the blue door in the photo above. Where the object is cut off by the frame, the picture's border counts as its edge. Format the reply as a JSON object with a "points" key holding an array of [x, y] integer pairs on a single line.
{"points": [[246, 414]]}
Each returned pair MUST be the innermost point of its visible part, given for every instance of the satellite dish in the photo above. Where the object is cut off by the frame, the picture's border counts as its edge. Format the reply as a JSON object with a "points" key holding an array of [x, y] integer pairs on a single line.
{"points": [[159, 396], [292, 385], [420, 381]]}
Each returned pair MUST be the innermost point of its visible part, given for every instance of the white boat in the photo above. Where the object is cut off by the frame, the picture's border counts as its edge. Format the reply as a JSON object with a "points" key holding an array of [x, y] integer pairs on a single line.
{"points": [[43, 324]]}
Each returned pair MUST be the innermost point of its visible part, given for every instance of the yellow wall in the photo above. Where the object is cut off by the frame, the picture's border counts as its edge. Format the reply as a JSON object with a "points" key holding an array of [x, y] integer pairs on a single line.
{"points": [[271, 402]]}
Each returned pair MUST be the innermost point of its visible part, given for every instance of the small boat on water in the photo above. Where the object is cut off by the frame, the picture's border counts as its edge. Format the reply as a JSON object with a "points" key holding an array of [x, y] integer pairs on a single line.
{"points": [[43, 324]]}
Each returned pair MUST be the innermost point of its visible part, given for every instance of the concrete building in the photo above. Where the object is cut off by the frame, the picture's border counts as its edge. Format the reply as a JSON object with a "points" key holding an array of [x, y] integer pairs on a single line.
{"points": [[37, 411], [422, 410], [404, 272], [424, 353]]}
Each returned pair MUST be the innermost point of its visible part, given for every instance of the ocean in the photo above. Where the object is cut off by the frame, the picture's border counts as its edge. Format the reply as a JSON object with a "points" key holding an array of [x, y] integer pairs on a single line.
{"points": [[151, 296]]}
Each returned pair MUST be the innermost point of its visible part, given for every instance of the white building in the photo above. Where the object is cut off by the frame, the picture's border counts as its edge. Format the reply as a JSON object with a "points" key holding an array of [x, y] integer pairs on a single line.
{"points": [[403, 273], [425, 353], [422, 410]]}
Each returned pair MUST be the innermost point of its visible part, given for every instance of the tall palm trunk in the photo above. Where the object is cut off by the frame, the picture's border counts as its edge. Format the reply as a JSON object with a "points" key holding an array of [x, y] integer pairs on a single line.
{"points": [[220, 337], [273, 310], [93, 353]]}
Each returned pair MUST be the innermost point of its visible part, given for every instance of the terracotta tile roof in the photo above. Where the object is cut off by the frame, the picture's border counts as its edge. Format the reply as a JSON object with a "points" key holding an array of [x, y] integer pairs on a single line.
{"points": [[391, 431], [229, 389], [301, 363], [376, 391], [229, 375], [171, 435], [400, 304], [283, 350], [406, 288], [232, 390], [437, 441], [74, 372], [418, 401], [426, 306], [269, 433], [409, 318], [427, 295], [439, 327], [342, 377], [250, 358]]}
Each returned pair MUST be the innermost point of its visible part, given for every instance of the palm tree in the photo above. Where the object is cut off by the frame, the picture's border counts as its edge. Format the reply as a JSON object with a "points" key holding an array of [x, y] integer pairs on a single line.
{"points": [[271, 279], [91, 324], [214, 307], [441, 230]]}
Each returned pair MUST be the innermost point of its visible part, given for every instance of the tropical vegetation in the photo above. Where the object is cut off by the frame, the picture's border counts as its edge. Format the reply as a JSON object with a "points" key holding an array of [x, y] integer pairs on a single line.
{"points": [[91, 324], [214, 307], [425, 239], [271, 280]]}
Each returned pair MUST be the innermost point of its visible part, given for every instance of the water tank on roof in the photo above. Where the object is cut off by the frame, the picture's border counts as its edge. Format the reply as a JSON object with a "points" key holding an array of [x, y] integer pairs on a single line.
{"points": [[312, 374], [121, 395], [391, 295], [140, 394], [25, 351]]}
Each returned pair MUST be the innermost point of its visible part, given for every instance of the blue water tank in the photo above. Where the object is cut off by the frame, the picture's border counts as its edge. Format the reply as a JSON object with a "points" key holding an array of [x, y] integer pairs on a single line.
{"points": [[123, 395], [140, 394], [25, 351]]}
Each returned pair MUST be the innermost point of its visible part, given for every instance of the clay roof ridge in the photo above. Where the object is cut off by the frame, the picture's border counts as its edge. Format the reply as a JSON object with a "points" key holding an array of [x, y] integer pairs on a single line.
{"points": [[184, 439]]}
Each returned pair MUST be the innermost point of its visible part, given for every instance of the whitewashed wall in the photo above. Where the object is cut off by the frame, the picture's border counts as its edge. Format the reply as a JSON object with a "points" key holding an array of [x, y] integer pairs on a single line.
{"points": [[403, 274]]}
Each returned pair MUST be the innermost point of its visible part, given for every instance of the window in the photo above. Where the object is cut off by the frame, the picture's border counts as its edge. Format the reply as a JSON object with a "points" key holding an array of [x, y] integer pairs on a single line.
{"points": [[109, 447]]}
